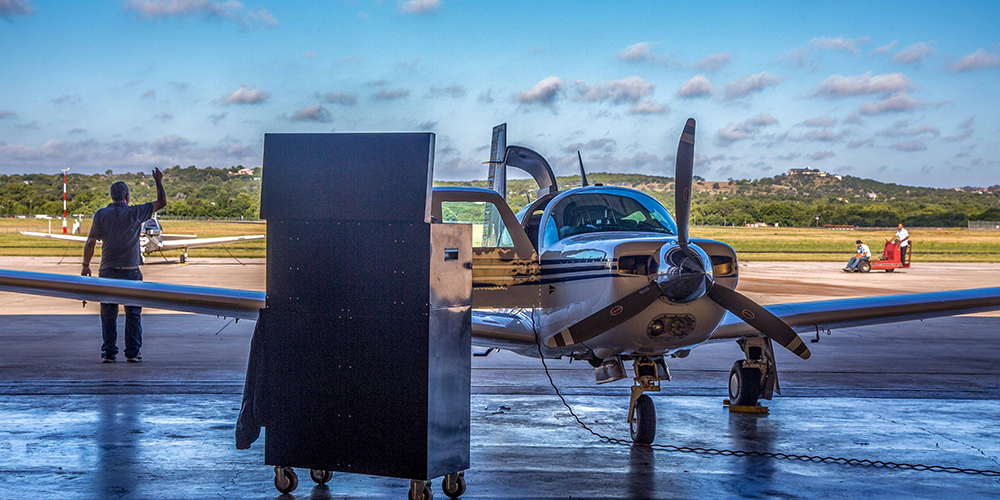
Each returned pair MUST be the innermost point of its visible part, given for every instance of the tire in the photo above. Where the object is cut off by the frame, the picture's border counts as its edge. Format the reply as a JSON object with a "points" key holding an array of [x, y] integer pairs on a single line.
{"points": [[454, 486], [320, 476], [889, 270], [643, 430], [865, 267], [744, 385], [426, 494], [285, 479]]}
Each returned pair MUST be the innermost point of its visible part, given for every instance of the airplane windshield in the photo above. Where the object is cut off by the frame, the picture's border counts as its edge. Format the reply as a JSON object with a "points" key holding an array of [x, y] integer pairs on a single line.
{"points": [[151, 224], [606, 211]]}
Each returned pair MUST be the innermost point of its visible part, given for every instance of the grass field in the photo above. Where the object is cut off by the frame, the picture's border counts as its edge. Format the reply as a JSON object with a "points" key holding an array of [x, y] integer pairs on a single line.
{"points": [[752, 244]]}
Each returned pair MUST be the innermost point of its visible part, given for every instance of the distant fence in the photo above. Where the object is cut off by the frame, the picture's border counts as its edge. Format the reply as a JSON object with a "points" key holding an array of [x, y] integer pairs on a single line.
{"points": [[984, 225]]}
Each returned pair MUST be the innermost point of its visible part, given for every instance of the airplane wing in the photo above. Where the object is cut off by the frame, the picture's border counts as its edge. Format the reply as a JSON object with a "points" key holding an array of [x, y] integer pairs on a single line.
{"points": [[805, 317], [178, 236], [243, 304], [202, 242], [66, 237]]}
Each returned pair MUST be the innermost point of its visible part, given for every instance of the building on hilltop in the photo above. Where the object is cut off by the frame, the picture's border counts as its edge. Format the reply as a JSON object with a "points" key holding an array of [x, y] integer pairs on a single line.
{"points": [[812, 171]]}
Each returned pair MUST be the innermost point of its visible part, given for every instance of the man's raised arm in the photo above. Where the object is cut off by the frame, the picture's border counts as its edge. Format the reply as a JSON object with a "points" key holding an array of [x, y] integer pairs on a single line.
{"points": [[161, 195]]}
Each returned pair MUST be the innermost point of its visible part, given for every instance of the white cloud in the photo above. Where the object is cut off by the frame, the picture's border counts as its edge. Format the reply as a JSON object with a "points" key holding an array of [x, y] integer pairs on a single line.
{"points": [[229, 10], [968, 122], [217, 118], [342, 98], [164, 117], [960, 137], [762, 120], [67, 99], [628, 89], [486, 96], [861, 143], [151, 93], [362, 16], [419, 7], [389, 95], [11, 8], [6, 113], [309, 55], [714, 62], [820, 121], [979, 59], [743, 130], [697, 86], [544, 92], [822, 155], [314, 113], [913, 54], [823, 135], [171, 144], [246, 95], [841, 44], [455, 91], [649, 107], [641, 51], [839, 86], [605, 144], [909, 146], [895, 103], [428, 125], [883, 49], [747, 85], [901, 129]]}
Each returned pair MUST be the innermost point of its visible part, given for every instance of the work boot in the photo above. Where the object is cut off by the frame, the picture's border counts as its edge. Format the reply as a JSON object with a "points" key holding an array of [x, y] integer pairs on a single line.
{"points": [[108, 359], [136, 359]]}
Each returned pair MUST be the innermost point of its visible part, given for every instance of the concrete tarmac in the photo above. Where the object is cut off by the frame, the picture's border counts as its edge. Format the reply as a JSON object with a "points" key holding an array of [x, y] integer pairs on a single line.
{"points": [[917, 392]]}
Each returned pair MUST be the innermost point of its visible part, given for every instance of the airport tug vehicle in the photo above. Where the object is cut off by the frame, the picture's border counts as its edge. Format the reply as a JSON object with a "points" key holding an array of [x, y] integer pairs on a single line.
{"points": [[891, 258]]}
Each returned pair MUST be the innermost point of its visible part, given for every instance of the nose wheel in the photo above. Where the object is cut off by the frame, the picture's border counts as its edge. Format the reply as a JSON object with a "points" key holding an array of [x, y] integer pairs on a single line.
{"points": [[641, 411]]}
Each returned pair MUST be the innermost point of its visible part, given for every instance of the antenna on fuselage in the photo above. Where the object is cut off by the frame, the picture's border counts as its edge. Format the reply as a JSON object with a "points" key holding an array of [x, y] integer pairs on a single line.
{"points": [[583, 173]]}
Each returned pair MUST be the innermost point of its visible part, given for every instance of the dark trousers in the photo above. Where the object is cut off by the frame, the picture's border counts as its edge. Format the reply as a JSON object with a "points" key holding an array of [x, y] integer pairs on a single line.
{"points": [[902, 254], [109, 318]]}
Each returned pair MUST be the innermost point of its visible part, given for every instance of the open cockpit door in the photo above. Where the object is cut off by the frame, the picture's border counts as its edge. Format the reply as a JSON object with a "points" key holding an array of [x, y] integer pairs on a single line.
{"points": [[505, 274]]}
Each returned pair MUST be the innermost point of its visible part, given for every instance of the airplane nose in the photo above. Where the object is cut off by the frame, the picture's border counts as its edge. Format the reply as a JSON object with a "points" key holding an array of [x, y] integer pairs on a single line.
{"points": [[685, 273]]}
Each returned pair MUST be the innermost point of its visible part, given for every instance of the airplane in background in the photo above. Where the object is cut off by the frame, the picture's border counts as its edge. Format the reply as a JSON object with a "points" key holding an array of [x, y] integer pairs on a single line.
{"points": [[153, 239], [596, 273]]}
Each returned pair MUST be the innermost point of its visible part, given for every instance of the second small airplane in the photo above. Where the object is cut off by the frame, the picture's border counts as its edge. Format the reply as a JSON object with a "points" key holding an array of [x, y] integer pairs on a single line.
{"points": [[153, 239]]}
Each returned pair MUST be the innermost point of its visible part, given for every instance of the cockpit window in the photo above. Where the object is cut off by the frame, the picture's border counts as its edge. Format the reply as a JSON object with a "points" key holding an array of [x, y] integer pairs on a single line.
{"points": [[607, 211], [151, 224]]}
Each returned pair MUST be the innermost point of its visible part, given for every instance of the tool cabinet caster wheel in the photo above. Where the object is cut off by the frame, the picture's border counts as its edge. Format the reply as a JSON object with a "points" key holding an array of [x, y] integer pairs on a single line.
{"points": [[285, 479], [320, 476], [454, 484], [643, 430], [420, 490]]}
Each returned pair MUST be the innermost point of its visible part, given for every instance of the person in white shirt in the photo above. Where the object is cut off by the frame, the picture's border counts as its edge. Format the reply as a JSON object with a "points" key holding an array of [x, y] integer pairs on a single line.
{"points": [[903, 237], [864, 253]]}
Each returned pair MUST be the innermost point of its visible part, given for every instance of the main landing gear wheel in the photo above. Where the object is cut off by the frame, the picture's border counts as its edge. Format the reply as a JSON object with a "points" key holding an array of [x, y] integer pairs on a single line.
{"points": [[454, 485], [285, 479], [420, 490], [744, 385], [643, 429], [320, 476]]}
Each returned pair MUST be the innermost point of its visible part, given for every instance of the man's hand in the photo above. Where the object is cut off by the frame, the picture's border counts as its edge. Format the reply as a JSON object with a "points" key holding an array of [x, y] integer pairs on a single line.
{"points": [[157, 175], [86, 270], [161, 195]]}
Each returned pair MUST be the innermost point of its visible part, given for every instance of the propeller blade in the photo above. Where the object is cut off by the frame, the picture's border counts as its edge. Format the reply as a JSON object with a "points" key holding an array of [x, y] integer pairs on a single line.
{"points": [[683, 173], [583, 174], [607, 318], [756, 316]]}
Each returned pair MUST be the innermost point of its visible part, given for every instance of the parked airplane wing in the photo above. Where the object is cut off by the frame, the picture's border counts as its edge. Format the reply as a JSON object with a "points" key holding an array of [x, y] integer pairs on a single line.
{"points": [[242, 304], [178, 236], [56, 236], [203, 242], [502, 329], [805, 317]]}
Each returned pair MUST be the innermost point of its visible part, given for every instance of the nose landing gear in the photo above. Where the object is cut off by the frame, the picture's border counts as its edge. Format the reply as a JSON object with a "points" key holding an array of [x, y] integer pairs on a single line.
{"points": [[641, 411]]}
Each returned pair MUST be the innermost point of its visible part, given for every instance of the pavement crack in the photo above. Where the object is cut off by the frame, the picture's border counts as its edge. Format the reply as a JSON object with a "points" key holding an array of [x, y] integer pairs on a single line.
{"points": [[948, 438]]}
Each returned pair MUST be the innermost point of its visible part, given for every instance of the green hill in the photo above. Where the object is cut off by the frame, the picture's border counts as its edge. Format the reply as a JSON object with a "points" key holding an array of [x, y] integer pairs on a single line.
{"points": [[786, 200]]}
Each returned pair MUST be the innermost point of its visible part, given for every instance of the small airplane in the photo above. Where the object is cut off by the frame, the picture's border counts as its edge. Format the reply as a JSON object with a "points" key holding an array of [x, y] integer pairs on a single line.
{"points": [[153, 239], [596, 273]]}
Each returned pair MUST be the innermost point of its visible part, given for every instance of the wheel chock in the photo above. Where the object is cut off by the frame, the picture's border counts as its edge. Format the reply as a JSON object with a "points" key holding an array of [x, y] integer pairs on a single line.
{"points": [[758, 408]]}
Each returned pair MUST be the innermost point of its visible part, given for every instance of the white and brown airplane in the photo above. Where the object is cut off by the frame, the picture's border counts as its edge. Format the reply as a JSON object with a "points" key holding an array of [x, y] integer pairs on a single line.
{"points": [[596, 273], [152, 239]]}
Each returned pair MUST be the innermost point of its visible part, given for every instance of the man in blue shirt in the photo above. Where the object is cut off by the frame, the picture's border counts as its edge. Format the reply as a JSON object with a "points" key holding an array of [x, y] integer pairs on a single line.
{"points": [[864, 253], [118, 226]]}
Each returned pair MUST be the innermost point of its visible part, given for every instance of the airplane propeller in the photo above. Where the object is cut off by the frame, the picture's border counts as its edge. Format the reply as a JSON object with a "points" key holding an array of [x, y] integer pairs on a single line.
{"points": [[691, 282]]}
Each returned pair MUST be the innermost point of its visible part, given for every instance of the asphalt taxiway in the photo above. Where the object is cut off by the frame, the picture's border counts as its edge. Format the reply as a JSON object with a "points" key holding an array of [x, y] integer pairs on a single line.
{"points": [[918, 392]]}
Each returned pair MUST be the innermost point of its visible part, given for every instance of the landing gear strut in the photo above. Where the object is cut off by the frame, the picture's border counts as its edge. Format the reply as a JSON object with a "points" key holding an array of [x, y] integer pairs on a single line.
{"points": [[641, 411], [756, 376]]}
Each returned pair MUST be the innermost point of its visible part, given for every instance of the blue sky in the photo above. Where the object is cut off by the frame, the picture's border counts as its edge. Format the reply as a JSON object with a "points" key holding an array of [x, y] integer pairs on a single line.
{"points": [[898, 91]]}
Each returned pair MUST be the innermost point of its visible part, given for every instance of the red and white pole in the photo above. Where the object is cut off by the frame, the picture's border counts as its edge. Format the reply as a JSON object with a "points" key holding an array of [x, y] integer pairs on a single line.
{"points": [[64, 171]]}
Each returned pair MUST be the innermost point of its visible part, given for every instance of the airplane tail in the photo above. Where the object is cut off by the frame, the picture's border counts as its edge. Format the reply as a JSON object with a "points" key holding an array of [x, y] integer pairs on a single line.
{"points": [[497, 181]]}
